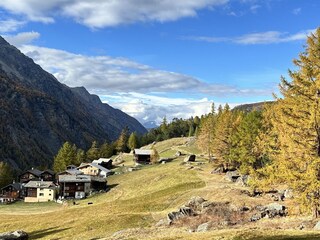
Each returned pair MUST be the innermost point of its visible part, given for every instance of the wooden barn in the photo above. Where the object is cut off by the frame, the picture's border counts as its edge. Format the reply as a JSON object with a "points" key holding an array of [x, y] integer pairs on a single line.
{"points": [[142, 155]]}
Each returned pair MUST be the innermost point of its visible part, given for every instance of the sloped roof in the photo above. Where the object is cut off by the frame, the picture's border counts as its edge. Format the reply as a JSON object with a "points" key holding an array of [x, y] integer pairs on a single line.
{"points": [[48, 171], [142, 151], [17, 186], [74, 178], [39, 184], [100, 167], [71, 172], [84, 165]]}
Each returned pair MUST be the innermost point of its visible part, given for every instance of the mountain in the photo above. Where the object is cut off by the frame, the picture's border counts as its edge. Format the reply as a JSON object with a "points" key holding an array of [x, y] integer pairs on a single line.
{"points": [[38, 113], [251, 106], [150, 125]]}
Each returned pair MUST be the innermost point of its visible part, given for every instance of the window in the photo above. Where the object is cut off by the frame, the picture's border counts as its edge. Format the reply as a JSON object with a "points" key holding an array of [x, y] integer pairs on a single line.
{"points": [[49, 194], [41, 194], [41, 189]]}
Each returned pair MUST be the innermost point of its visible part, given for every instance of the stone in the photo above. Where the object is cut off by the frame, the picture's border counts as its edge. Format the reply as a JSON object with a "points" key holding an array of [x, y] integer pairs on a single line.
{"points": [[232, 176], [243, 180], [16, 235], [183, 212], [217, 170], [317, 226], [276, 209], [163, 223], [204, 227], [288, 193], [178, 154]]}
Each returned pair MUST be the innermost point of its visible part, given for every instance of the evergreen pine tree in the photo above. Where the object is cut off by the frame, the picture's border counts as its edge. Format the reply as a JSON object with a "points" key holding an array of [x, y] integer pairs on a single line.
{"points": [[93, 152]]}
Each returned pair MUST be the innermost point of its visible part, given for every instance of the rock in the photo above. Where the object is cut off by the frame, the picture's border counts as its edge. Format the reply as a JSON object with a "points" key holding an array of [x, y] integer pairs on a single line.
{"points": [[243, 180], [163, 162], [163, 223], [204, 227], [183, 212], [232, 176], [288, 193], [317, 226], [178, 154], [244, 209], [196, 203], [255, 217], [276, 209], [190, 158], [16, 235], [217, 170]]}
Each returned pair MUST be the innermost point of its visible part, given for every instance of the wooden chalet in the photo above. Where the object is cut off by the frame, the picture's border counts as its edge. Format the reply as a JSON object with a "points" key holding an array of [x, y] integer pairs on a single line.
{"points": [[11, 193], [40, 191], [94, 169], [104, 162], [80, 186], [142, 155], [35, 174]]}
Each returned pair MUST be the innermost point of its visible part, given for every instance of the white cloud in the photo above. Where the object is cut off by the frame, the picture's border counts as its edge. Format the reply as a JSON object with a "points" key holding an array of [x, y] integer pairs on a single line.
{"points": [[10, 25], [22, 38], [296, 11], [105, 13], [108, 74], [146, 107], [269, 37]]}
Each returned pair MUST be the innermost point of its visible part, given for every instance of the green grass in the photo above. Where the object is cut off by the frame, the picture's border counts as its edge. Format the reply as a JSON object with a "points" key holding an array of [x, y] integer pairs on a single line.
{"points": [[135, 203]]}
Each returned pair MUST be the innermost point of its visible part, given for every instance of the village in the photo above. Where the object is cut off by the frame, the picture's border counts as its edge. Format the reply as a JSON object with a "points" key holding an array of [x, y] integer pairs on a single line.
{"points": [[76, 182]]}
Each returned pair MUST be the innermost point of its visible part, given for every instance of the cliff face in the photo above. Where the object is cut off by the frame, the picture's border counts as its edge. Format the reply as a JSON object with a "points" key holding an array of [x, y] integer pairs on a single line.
{"points": [[38, 113]]}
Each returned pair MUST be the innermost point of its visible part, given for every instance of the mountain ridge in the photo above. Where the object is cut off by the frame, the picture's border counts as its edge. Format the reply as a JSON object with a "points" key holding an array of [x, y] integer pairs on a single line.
{"points": [[38, 113]]}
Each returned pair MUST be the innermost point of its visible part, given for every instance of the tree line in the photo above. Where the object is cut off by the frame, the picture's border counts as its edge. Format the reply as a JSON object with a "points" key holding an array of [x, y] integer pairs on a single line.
{"points": [[281, 144]]}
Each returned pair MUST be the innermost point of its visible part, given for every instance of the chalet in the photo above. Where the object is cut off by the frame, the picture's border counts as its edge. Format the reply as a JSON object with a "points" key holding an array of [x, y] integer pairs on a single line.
{"points": [[104, 162], [142, 155], [94, 169], [80, 186], [11, 193], [32, 174], [35, 174], [71, 172], [40, 191]]}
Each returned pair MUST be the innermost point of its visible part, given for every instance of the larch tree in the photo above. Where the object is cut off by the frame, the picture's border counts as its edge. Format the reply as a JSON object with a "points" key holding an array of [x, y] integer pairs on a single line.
{"points": [[133, 141], [121, 143], [93, 152], [66, 156], [297, 120]]}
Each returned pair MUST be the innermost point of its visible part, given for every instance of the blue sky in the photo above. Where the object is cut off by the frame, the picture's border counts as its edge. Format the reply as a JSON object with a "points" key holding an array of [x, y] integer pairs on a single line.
{"points": [[163, 58]]}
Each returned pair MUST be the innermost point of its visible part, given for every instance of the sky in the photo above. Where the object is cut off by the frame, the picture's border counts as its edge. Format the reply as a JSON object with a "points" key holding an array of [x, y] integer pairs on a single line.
{"points": [[160, 58]]}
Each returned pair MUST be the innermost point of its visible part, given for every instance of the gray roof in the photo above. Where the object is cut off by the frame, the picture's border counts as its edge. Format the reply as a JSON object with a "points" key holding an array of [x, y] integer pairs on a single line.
{"points": [[74, 178], [94, 165], [71, 172], [40, 184], [17, 186], [142, 151]]}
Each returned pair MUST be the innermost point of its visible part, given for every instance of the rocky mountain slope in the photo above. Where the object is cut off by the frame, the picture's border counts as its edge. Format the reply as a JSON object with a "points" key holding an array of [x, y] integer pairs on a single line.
{"points": [[38, 113]]}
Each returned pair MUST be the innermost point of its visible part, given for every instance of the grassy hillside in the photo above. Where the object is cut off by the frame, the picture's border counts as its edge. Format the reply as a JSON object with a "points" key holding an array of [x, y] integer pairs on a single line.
{"points": [[138, 200]]}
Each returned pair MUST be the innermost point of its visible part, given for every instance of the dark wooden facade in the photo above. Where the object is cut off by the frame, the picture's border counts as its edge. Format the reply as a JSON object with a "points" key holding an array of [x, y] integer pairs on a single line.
{"points": [[69, 189], [31, 192], [11, 192]]}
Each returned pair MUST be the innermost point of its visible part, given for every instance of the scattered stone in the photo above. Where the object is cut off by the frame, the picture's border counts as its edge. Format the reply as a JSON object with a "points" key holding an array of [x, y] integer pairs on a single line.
{"points": [[190, 158], [288, 193], [218, 170], [232, 176], [163, 162], [16, 235], [163, 223], [204, 227], [271, 210], [183, 212], [178, 154], [243, 180], [190, 167], [244, 209], [317, 226]]}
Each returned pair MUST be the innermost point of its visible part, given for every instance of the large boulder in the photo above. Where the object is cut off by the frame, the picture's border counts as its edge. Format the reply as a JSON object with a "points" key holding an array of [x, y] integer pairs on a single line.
{"points": [[183, 212], [16, 235], [243, 180], [232, 176], [204, 227], [271, 210]]}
